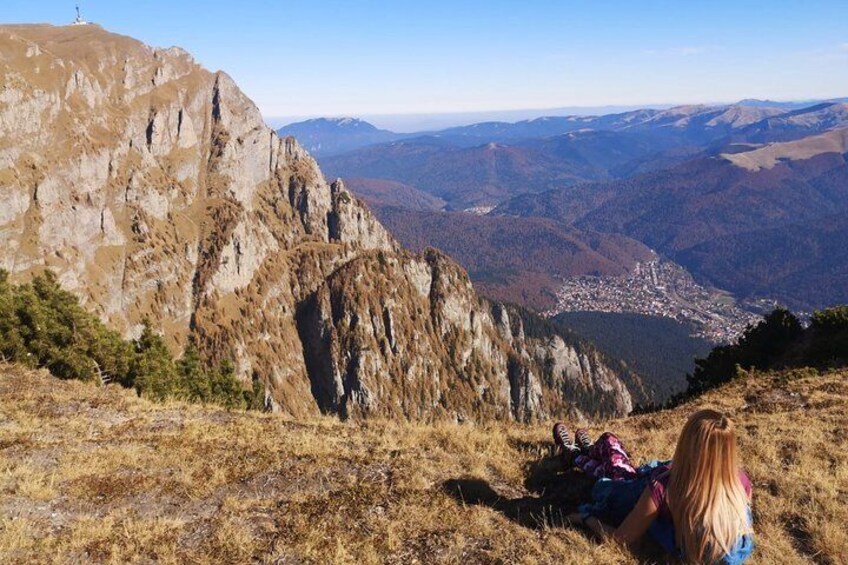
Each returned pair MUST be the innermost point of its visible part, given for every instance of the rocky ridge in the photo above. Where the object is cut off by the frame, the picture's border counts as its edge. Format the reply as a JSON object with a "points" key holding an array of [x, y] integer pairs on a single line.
{"points": [[155, 191]]}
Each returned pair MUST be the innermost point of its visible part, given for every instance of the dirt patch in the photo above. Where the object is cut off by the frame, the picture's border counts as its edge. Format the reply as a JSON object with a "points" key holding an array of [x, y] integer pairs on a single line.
{"points": [[775, 400]]}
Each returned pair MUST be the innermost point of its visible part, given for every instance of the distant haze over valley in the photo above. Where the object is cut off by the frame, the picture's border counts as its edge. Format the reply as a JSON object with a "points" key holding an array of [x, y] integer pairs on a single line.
{"points": [[417, 123], [749, 198]]}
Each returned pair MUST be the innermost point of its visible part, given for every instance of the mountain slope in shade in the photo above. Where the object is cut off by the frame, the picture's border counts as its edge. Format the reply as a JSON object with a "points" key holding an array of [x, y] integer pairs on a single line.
{"points": [[798, 123], [330, 136], [804, 265], [379, 192], [519, 260], [463, 176], [154, 190], [709, 198], [661, 349], [680, 210], [834, 141], [566, 205]]}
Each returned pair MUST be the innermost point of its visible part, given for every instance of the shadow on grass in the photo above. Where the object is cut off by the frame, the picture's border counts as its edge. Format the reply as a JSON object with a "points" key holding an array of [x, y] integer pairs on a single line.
{"points": [[554, 494]]}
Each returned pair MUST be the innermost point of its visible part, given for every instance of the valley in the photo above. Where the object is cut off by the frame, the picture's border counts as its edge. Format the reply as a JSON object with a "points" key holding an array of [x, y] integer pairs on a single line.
{"points": [[720, 190], [706, 216], [661, 288]]}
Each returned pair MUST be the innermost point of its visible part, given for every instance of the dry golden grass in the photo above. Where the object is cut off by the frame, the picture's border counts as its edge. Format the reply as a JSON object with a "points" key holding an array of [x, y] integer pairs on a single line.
{"points": [[98, 475]]}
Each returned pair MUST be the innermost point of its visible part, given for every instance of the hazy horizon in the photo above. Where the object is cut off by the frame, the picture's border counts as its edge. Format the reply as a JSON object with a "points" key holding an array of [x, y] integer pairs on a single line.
{"points": [[417, 122], [444, 60], [420, 122]]}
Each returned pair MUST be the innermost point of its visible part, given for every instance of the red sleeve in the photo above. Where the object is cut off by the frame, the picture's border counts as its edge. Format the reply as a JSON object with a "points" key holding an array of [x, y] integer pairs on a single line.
{"points": [[746, 483], [657, 484]]}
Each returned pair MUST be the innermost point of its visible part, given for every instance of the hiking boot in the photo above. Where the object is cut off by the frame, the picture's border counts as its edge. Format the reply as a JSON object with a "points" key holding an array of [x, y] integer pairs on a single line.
{"points": [[584, 443], [562, 437], [564, 445]]}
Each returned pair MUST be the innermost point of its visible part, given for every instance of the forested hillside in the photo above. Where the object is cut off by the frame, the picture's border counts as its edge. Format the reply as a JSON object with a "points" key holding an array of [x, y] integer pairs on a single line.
{"points": [[520, 260], [661, 350]]}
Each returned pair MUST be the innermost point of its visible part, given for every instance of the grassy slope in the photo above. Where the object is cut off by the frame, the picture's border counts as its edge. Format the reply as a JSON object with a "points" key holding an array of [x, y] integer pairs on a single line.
{"points": [[98, 475]]}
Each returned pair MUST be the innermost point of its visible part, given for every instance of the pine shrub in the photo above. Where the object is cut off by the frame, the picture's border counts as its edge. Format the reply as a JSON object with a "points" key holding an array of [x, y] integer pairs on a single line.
{"points": [[42, 325]]}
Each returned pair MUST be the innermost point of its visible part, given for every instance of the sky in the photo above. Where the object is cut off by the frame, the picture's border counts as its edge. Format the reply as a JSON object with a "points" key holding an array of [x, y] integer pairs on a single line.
{"points": [[373, 58]]}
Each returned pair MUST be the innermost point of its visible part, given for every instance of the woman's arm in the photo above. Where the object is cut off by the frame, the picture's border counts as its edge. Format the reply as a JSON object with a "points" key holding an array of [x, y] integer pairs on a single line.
{"points": [[639, 519], [633, 527]]}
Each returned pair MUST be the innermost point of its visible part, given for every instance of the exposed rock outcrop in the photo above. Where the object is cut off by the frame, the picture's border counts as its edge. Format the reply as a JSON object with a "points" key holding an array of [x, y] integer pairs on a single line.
{"points": [[155, 191]]}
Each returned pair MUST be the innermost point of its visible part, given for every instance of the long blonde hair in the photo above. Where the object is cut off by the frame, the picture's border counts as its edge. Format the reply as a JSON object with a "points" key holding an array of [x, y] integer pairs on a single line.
{"points": [[706, 498]]}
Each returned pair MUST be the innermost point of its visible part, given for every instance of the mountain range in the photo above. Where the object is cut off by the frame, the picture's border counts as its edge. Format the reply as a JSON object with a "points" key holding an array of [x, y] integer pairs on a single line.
{"points": [[325, 137], [722, 190], [156, 193]]}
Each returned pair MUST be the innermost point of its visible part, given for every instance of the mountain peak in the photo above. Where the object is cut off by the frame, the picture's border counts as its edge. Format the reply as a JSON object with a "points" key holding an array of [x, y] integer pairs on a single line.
{"points": [[351, 122], [342, 122], [330, 136], [155, 192]]}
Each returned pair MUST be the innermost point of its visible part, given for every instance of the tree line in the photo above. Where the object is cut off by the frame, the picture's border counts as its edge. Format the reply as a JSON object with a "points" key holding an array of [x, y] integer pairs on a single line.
{"points": [[778, 341]]}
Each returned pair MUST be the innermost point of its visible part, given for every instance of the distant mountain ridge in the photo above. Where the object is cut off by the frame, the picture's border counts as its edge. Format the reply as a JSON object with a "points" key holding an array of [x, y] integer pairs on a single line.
{"points": [[786, 105], [330, 136], [668, 167], [485, 164]]}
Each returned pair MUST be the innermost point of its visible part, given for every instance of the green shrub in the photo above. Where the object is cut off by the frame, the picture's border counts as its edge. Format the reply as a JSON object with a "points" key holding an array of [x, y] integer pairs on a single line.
{"points": [[759, 347], [828, 342], [832, 319], [218, 385], [777, 342], [42, 325]]}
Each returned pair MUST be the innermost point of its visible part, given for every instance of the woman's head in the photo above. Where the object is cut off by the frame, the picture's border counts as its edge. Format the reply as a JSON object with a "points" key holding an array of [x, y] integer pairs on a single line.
{"points": [[707, 501]]}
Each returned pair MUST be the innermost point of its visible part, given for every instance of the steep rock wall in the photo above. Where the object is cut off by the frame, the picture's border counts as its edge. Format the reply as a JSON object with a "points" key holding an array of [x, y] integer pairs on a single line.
{"points": [[155, 191]]}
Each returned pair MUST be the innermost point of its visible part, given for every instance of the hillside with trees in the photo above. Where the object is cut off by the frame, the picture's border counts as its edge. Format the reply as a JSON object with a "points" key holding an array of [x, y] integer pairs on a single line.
{"points": [[779, 341], [661, 350], [519, 260], [42, 325]]}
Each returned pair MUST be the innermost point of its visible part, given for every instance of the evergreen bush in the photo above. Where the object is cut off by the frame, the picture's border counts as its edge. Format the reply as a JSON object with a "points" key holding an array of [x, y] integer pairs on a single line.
{"points": [[42, 325]]}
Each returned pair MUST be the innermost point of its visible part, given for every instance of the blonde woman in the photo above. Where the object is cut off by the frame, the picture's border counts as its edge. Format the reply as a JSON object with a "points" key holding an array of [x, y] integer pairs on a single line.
{"points": [[697, 506]]}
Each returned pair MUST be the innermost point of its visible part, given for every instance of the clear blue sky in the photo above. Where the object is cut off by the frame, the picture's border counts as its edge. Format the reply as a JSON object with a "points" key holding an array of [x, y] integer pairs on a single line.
{"points": [[365, 57]]}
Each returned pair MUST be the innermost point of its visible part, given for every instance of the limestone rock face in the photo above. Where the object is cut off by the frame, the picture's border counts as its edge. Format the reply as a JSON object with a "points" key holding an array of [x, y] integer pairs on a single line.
{"points": [[407, 336], [155, 191], [563, 375]]}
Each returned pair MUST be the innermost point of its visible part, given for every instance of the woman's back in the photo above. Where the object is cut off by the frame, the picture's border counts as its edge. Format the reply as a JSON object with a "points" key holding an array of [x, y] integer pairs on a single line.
{"points": [[698, 509], [662, 530], [659, 488]]}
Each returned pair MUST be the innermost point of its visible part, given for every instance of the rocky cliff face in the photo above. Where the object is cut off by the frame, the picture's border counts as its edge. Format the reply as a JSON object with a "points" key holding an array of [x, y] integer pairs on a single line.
{"points": [[155, 191]]}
